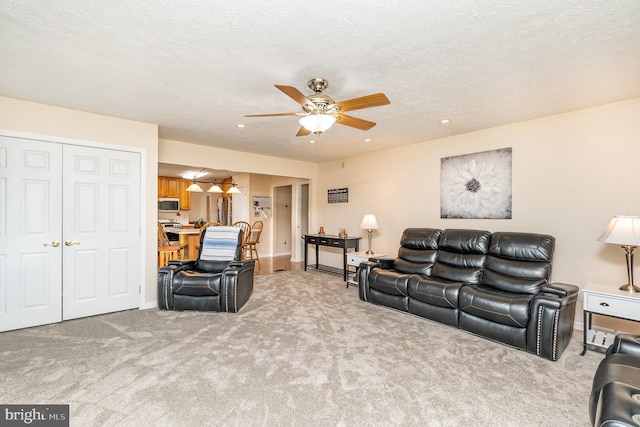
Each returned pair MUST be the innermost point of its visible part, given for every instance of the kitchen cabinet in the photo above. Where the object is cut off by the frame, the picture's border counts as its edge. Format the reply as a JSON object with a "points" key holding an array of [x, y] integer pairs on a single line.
{"points": [[185, 196], [162, 186], [168, 187], [173, 187]]}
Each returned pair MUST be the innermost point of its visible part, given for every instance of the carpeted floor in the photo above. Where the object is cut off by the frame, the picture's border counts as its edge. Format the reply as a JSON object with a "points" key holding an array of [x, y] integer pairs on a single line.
{"points": [[304, 351]]}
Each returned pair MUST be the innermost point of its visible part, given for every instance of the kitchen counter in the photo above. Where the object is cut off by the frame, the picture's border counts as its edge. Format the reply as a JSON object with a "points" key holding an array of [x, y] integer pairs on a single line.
{"points": [[189, 239], [185, 231]]}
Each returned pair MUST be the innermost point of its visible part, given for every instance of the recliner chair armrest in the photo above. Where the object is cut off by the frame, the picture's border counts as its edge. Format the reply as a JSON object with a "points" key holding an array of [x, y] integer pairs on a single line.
{"points": [[625, 344], [240, 265], [237, 284], [186, 263], [561, 289]]}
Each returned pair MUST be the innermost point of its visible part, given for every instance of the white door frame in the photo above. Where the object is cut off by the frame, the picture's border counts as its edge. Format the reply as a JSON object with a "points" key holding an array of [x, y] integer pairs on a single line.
{"points": [[143, 186]]}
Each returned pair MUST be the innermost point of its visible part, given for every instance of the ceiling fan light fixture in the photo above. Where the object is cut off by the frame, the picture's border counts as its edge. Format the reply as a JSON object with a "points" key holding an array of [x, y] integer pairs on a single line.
{"points": [[317, 123]]}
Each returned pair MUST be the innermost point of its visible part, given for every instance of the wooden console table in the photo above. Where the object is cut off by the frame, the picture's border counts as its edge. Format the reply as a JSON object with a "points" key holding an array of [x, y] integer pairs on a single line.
{"points": [[331, 241]]}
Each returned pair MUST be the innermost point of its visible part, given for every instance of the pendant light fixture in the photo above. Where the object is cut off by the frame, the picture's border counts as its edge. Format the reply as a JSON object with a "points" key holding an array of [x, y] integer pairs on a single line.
{"points": [[233, 189], [215, 188], [194, 187], [192, 175]]}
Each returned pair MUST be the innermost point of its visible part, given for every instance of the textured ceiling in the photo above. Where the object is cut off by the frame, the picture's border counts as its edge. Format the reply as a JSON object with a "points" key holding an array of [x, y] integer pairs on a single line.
{"points": [[196, 67]]}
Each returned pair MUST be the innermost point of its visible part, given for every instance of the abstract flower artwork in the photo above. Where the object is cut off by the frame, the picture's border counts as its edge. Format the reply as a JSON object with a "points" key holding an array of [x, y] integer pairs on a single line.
{"points": [[476, 185]]}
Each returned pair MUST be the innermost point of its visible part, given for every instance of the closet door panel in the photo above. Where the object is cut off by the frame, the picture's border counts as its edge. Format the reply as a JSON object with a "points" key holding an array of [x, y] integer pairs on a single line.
{"points": [[101, 231], [30, 233]]}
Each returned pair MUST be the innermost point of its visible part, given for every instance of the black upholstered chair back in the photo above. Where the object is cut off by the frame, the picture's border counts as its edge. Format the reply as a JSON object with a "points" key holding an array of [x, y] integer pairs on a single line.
{"points": [[461, 255], [519, 262], [417, 251], [219, 246]]}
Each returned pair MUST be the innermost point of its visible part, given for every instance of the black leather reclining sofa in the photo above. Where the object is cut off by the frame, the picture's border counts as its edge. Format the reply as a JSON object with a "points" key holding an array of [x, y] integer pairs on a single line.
{"points": [[495, 285]]}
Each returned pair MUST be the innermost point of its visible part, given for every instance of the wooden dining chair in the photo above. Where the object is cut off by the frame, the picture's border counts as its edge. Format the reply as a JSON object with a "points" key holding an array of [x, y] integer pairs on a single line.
{"points": [[166, 251], [246, 230], [254, 239]]}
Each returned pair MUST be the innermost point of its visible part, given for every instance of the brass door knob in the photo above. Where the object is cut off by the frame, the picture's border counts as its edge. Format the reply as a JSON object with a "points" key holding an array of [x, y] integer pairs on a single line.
{"points": [[71, 242], [54, 244]]}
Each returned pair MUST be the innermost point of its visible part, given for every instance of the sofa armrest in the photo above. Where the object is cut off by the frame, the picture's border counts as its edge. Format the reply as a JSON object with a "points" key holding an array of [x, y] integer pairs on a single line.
{"points": [[561, 289], [625, 344], [383, 262], [363, 277], [551, 322]]}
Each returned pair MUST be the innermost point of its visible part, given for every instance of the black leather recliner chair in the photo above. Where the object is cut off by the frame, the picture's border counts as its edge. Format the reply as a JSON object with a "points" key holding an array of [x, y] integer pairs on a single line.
{"points": [[615, 393], [218, 280]]}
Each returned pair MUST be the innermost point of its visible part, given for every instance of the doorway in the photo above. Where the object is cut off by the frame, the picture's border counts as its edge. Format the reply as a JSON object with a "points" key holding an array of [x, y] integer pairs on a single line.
{"points": [[282, 220]]}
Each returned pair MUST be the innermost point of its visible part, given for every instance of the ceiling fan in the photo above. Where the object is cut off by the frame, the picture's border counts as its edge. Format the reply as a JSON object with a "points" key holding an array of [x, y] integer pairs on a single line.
{"points": [[320, 112]]}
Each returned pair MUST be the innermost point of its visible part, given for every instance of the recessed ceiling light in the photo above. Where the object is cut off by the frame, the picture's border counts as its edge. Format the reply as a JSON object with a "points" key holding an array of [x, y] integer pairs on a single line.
{"points": [[240, 125], [445, 121], [312, 141], [367, 140]]}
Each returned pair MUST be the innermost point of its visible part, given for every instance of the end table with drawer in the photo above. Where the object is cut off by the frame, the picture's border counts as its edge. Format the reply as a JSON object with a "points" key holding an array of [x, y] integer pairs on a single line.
{"points": [[606, 300]]}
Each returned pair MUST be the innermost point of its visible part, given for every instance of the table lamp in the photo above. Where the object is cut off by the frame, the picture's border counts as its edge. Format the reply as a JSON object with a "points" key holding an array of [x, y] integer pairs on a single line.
{"points": [[624, 230], [369, 223]]}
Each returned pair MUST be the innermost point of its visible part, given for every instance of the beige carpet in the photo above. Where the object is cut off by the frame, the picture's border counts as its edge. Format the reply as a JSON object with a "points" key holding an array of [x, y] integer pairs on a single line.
{"points": [[304, 351]]}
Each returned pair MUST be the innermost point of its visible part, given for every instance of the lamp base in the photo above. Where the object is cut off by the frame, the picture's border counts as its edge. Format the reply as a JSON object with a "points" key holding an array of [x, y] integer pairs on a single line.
{"points": [[629, 288], [369, 252]]}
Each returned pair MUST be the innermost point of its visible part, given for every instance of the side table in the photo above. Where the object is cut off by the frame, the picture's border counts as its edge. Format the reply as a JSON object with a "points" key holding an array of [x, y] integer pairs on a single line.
{"points": [[606, 300], [353, 260], [322, 240]]}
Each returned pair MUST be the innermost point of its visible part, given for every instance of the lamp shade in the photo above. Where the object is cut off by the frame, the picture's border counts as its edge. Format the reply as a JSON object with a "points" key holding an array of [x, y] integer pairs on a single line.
{"points": [[317, 122], [622, 230], [194, 188], [233, 190], [369, 222], [215, 188]]}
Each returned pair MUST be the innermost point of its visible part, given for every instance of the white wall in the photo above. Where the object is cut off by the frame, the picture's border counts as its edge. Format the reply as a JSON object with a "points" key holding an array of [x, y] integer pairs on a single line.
{"points": [[571, 173]]}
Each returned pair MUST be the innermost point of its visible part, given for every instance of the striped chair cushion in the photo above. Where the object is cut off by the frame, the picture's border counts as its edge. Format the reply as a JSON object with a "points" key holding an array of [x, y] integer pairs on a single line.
{"points": [[220, 244]]}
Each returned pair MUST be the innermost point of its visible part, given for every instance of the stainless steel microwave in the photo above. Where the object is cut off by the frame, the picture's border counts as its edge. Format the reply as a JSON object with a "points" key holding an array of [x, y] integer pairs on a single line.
{"points": [[168, 205]]}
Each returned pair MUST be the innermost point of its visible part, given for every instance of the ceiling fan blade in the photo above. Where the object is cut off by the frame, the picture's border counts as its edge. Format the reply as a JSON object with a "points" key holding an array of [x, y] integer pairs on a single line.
{"points": [[294, 94], [303, 132], [361, 124], [270, 115], [374, 100]]}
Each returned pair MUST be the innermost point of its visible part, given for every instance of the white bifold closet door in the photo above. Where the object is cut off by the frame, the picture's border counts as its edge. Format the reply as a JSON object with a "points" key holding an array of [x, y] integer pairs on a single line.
{"points": [[69, 231], [101, 228]]}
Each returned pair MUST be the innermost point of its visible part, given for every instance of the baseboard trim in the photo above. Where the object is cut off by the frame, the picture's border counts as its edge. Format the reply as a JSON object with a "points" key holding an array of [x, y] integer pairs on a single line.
{"points": [[282, 254], [148, 305]]}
